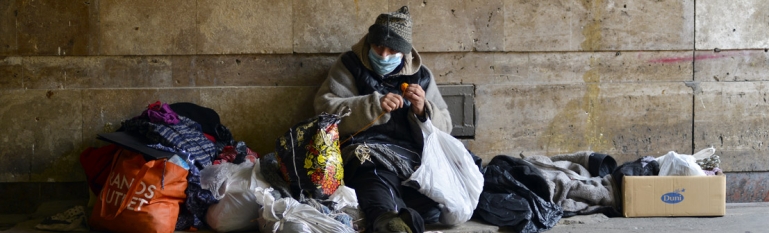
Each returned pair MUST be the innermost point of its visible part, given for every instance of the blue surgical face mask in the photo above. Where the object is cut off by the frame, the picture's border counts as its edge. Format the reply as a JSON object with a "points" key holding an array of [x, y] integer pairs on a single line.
{"points": [[384, 65]]}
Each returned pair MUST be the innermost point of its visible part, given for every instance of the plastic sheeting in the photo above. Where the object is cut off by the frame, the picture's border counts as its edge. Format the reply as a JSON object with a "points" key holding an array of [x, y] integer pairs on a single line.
{"points": [[288, 215], [234, 185], [516, 195]]}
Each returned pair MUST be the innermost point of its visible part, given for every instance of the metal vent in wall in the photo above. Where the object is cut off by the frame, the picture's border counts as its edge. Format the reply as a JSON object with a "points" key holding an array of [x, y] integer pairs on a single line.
{"points": [[461, 102]]}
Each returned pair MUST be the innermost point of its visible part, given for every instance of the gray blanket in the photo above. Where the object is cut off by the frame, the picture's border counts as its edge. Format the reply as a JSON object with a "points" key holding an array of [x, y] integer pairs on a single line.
{"points": [[571, 185]]}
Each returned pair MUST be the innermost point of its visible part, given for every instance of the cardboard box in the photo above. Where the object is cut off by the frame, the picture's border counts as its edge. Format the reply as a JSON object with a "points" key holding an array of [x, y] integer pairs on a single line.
{"points": [[663, 196]]}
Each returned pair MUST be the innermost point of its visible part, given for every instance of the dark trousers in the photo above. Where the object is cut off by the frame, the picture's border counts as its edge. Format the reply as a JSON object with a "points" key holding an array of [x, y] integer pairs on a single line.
{"points": [[379, 191]]}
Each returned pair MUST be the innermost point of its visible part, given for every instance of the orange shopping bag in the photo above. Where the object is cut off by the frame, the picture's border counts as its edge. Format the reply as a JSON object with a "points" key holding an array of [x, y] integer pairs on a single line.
{"points": [[140, 195]]}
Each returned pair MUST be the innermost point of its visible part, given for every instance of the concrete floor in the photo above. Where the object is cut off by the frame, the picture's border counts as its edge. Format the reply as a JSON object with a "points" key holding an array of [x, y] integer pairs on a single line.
{"points": [[739, 218]]}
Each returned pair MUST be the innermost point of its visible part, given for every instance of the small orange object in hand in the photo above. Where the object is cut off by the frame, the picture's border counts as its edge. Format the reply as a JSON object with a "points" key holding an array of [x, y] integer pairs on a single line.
{"points": [[403, 87]]}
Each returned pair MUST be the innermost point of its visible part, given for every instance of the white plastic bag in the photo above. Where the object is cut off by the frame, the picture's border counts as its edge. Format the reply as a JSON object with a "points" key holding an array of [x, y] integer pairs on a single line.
{"points": [[703, 154], [288, 215], [448, 175], [675, 164], [233, 185], [344, 196]]}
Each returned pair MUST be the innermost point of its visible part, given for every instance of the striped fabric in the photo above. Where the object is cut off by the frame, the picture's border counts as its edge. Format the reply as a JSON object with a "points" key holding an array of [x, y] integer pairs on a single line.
{"points": [[185, 138]]}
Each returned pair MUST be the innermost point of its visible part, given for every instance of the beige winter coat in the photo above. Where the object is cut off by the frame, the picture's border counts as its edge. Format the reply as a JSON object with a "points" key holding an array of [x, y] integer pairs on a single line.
{"points": [[339, 90]]}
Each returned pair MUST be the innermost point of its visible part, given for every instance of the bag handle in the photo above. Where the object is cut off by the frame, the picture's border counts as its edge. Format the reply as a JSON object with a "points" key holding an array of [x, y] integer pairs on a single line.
{"points": [[126, 199]]}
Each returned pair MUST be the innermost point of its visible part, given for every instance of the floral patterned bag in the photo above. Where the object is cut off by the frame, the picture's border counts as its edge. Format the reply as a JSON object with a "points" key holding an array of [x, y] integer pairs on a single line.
{"points": [[309, 157]]}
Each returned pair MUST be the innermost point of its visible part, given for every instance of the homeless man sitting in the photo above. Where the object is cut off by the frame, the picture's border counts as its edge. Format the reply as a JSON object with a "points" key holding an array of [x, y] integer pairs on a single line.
{"points": [[368, 80]]}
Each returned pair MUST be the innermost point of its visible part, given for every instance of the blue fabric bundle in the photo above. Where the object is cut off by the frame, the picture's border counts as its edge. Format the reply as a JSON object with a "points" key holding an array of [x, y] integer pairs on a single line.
{"points": [[185, 138]]}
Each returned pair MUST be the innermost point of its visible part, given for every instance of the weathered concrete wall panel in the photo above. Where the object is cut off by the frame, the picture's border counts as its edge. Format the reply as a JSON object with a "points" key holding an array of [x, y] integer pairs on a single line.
{"points": [[478, 68], [727, 24], [258, 116], [551, 76], [243, 26], [251, 70], [105, 109], [42, 138], [9, 11], [10, 73], [569, 25], [58, 136], [456, 25], [147, 27], [52, 27], [332, 26], [96, 72], [551, 25], [731, 106], [731, 66], [559, 68], [608, 118], [17, 147], [731, 116], [607, 67]]}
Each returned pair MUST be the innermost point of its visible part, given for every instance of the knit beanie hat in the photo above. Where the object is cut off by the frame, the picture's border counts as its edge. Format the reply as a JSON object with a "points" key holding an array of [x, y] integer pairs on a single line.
{"points": [[392, 30]]}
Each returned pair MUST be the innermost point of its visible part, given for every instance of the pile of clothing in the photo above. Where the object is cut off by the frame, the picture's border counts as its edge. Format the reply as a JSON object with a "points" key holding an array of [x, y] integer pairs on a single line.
{"points": [[223, 180], [532, 193], [232, 188]]}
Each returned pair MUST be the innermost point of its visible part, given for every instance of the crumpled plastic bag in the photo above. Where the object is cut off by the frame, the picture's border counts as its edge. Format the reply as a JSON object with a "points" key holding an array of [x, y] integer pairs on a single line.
{"points": [[288, 215], [448, 175], [343, 197], [233, 185], [675, 164]]}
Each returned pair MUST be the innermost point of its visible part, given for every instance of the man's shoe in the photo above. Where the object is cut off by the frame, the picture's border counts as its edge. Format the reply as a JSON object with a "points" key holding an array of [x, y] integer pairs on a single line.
{"points": [[390, 222]]}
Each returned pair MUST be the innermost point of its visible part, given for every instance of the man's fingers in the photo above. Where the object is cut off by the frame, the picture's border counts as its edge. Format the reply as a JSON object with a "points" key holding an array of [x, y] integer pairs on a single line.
{"points": [[398, 100], [391, 101]]}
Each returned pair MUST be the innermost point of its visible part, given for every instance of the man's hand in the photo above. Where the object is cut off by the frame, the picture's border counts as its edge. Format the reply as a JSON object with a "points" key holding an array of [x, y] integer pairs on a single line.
{"points": [[416, 95], [391, 102]]}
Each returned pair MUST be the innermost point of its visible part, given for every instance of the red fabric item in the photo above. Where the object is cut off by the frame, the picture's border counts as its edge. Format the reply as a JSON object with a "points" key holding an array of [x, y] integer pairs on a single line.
{"points": [[95, 162], [140, 195], [251, 155], [155, 106], [229, 153], [211, 138]]}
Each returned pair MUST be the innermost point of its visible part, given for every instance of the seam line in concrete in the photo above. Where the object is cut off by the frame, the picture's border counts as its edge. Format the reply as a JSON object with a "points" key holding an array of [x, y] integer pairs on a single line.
{"points": [[694, 55]]}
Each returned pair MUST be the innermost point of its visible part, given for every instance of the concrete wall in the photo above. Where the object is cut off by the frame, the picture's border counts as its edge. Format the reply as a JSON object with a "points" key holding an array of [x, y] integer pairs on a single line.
{"points": [[627, 78]]}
